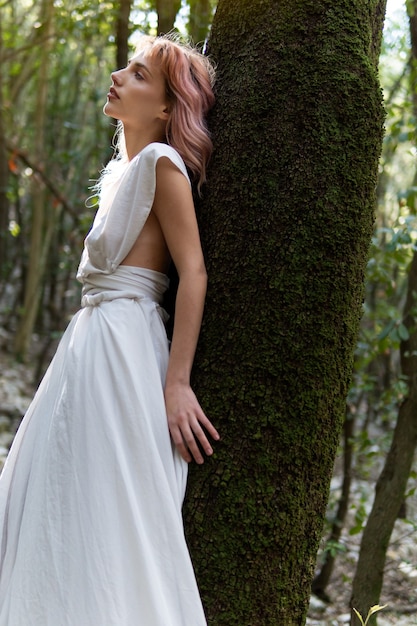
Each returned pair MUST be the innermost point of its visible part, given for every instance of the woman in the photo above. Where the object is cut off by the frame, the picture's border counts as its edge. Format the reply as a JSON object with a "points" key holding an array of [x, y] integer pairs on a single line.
{"points": [[91, 493]]}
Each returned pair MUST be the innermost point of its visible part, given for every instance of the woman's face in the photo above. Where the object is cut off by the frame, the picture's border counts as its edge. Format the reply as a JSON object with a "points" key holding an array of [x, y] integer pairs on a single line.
{"points": [[137, 96]]}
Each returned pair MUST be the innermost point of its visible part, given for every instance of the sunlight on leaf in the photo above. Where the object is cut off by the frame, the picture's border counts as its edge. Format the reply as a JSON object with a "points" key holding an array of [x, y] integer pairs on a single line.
{"points": [[359, 617], [372, 610], [14, 228]]}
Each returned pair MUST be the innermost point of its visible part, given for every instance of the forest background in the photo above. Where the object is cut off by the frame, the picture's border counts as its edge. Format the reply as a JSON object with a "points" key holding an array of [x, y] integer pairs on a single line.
{"points": [[55, 60]]}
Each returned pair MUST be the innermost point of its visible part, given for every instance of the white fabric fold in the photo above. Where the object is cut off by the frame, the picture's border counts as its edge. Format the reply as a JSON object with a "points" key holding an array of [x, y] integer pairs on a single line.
{"points": [[124, 208], [91, 530]]}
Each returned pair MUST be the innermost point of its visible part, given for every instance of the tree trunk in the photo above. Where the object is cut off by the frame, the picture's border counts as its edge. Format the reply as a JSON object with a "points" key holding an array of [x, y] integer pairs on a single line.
{"points": [[167, 12], [199, 22], [286, 223], [323, 577], [122, 33], [42, 216]]}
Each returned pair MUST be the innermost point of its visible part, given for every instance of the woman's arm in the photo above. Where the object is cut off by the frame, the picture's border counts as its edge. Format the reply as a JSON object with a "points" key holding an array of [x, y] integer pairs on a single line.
{"points": [[174, 208]]}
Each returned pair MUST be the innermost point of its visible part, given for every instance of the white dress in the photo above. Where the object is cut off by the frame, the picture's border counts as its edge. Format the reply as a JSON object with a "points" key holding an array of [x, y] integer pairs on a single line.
{"points": [[90, 496]]}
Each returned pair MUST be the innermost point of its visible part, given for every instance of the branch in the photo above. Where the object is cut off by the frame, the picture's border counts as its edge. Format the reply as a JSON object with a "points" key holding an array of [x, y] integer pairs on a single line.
{"points": [[46, 180], [29, 46]]}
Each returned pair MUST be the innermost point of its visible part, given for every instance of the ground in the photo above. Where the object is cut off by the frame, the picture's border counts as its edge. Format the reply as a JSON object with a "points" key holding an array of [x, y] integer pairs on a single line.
{"points": [[400, 582]]}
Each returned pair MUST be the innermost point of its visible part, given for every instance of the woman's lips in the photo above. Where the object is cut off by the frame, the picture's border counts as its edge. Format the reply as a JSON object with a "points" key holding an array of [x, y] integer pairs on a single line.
{"points": [[113, 94]]}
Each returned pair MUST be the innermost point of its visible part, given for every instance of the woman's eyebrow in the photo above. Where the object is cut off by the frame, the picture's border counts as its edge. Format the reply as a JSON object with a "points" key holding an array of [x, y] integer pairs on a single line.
{"points": [[139, 65]]}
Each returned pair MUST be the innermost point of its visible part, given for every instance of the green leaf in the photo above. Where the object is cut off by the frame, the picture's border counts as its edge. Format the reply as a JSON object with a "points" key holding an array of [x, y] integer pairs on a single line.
{"points": [[403, 332], [386, 330]]}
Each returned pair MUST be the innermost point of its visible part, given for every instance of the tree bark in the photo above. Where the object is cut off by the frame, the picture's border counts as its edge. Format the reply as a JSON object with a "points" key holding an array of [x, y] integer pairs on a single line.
{"points": [[322, 579], [286, 223], [167, 12], [122, 33]]}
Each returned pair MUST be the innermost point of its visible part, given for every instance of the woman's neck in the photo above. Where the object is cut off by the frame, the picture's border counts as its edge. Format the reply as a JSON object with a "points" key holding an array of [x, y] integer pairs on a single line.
{"points": [[136, 142]]}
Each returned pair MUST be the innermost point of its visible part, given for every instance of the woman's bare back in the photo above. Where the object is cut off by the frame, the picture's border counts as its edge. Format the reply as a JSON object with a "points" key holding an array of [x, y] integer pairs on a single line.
{"points": [[150, 249]]}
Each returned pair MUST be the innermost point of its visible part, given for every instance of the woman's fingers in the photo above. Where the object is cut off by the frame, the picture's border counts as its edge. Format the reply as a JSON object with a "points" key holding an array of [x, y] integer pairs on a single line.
{"points": [[188, 424], [208, 426], [187, 434], [178, 440]]}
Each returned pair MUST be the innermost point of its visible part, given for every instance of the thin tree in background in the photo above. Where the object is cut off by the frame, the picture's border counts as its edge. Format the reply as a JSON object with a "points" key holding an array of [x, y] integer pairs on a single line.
{"points": [[4, 177], [43, 216], [199, 20], [122, 32], [167, 12], [391, 485]]}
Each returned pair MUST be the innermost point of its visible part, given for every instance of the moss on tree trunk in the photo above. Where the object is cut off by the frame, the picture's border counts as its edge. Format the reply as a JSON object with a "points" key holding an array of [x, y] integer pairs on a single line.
{"points": [[286, 223]]}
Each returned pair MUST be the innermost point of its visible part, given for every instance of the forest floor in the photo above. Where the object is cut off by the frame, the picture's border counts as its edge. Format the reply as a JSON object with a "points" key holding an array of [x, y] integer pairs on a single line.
{"points": [[400, 581], [399, 592]]}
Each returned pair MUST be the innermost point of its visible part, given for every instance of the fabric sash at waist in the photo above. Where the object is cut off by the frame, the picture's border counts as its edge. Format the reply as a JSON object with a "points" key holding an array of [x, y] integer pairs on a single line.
{"points": [[136, 283]]}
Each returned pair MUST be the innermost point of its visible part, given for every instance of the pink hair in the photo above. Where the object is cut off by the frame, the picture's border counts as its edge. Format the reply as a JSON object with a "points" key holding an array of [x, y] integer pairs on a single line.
{"points": [[189, 77]]}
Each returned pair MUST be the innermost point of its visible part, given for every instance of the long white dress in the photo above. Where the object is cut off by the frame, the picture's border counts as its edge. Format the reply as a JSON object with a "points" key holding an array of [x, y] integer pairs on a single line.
{"points": [[91, 493]]}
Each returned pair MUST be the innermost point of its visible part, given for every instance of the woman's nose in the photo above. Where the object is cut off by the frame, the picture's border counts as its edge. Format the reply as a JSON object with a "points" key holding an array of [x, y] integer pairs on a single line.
{"points": [[115, 76]]}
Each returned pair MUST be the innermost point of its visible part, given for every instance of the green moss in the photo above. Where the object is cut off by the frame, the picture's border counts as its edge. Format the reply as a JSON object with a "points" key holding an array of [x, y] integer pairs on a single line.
{"points": [[286, 224]]}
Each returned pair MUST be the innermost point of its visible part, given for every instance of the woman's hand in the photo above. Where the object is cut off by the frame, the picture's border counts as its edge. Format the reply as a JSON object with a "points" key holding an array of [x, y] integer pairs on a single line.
{"points": [[185, 420]]}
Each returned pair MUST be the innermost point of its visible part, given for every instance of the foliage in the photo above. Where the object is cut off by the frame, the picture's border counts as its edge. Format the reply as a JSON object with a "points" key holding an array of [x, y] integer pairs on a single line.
{"points": [[377, 387], [76, 135]]}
